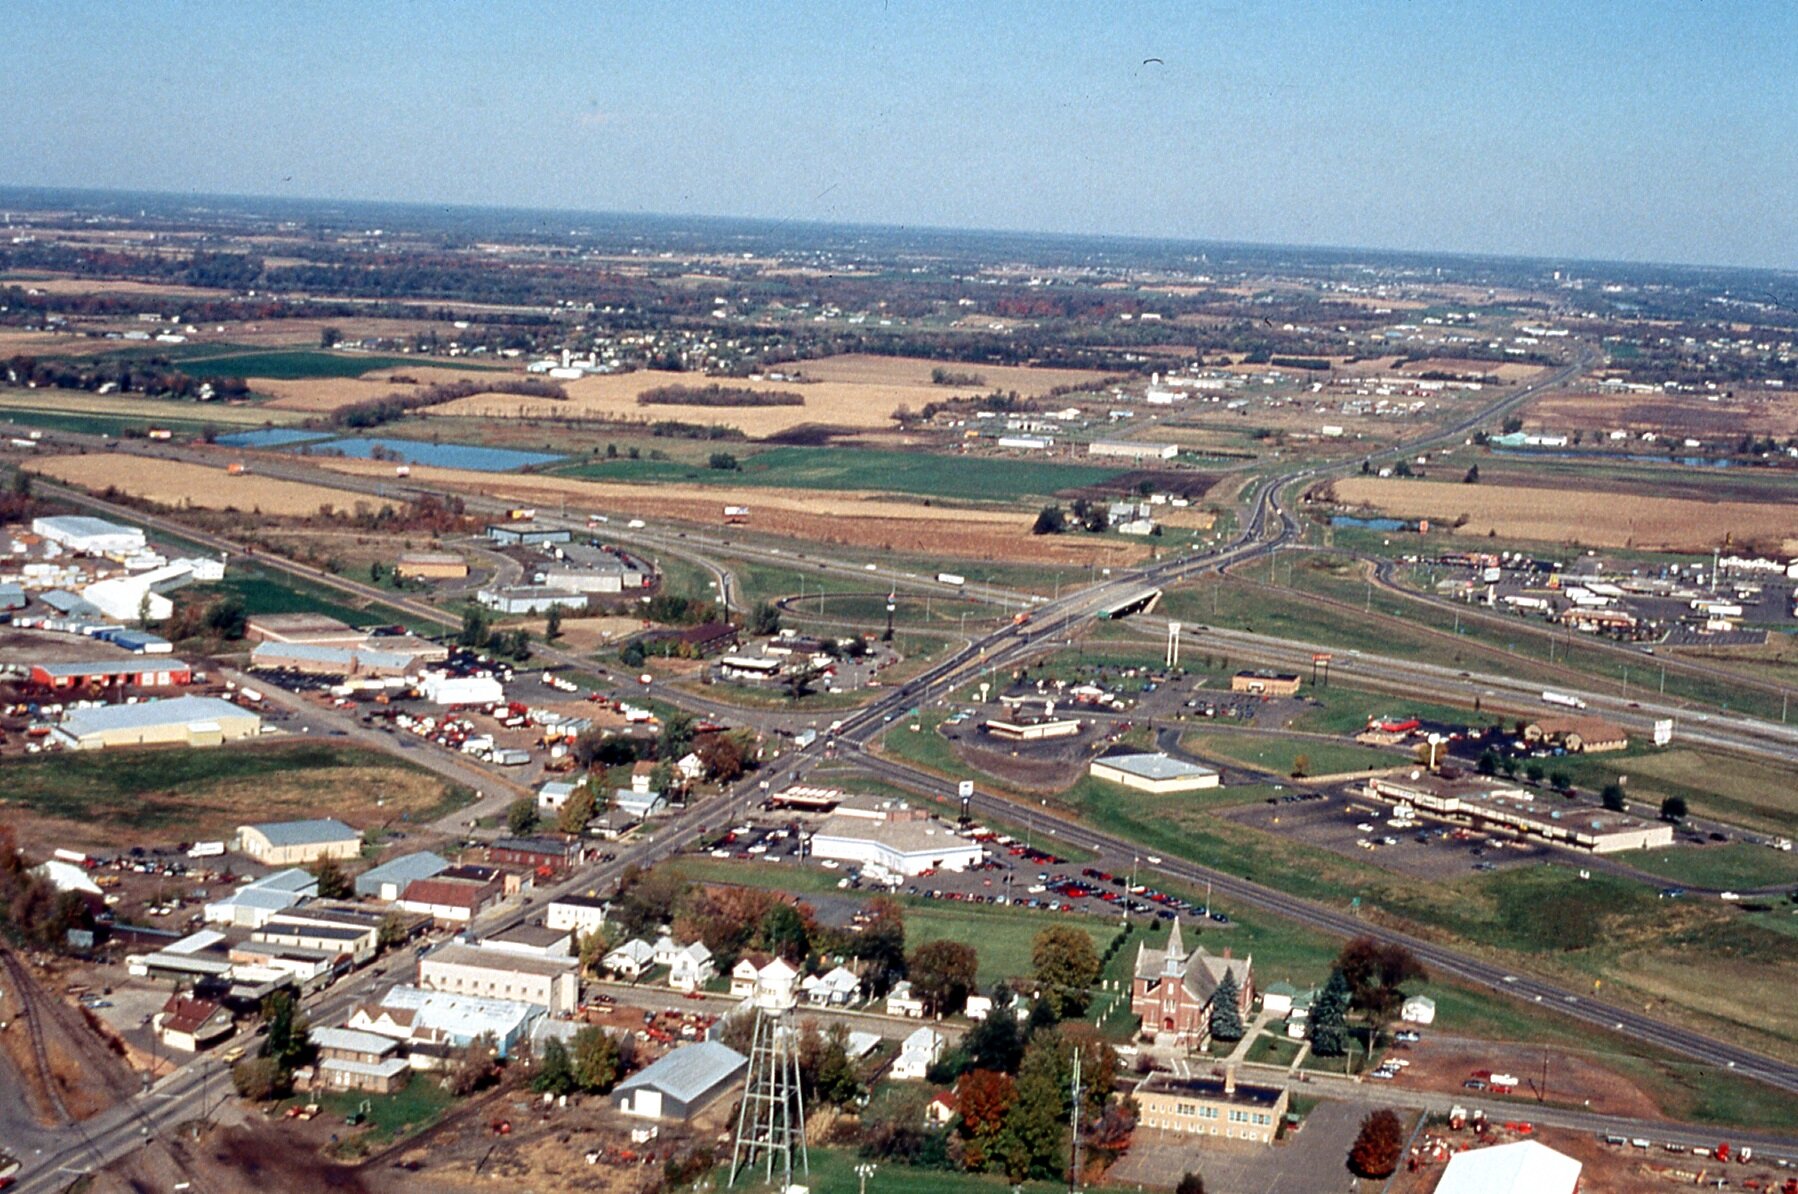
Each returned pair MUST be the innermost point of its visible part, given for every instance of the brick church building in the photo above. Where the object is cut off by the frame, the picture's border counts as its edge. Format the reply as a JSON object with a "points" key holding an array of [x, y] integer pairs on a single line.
{"points": [[1172, 989]]}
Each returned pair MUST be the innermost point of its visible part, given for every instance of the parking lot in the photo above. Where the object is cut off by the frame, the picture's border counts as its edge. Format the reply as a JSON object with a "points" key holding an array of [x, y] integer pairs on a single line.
{"points": [[1341, 820]]}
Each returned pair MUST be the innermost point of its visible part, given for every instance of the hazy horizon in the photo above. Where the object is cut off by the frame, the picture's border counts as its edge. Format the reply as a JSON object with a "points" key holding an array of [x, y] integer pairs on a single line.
{"points": [[1642, 134]]}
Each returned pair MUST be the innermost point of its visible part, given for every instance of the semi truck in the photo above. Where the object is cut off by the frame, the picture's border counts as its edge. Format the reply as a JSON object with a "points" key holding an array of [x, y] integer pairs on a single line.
{"points": [[1563, 699]]}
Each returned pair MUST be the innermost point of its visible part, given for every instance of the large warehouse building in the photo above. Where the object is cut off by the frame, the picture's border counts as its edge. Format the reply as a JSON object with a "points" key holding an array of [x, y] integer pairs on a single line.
{"points": [[90, 536], [296, 843], [181, 721]]}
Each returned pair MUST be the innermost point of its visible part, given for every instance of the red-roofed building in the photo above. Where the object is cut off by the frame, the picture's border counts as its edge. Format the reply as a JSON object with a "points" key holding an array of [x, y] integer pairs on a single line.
{"points": [[192, 1024], [448, 901]]}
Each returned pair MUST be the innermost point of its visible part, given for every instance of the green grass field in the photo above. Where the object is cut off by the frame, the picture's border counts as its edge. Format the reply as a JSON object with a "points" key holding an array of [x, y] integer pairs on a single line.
{"points": [[297, 364], [1737, 865], [407, 1112], [833, 1172], [266, 593], [159, 789], [1281, 756], [1002, 935], [924, 474]]}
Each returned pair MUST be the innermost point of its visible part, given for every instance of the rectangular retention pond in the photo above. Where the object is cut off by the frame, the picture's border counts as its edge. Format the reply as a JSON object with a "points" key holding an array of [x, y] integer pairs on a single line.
{"points": [[412, 451]]}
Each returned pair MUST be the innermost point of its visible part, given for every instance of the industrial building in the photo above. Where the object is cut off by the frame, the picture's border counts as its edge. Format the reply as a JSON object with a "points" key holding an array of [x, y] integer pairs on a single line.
{"points": [[431, 565], [301, 628], [682, 1082], [1488, 804], [255, 904], [1129, 450], [1156, 773], [1207, 1106], [179, 721], [442, 689], [296, 843], [89, 674], [444, 1021], [895, 837], [529, 599], [90, 536], [128, 599], [387, 881], [320, 659], [1523, 1167], [525, 535]]}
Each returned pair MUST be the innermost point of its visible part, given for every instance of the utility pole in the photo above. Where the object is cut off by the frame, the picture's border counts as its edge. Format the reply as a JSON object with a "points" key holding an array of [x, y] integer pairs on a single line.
{"points": [[1074, 1144]]}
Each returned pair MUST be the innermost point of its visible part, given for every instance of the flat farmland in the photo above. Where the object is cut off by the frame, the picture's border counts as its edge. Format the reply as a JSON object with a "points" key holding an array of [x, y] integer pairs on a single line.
{"points": [[321, 395], [1592, 519], [868, 471], [176, 484], [1743, 411], [850, 518], [868, 370], [288, 365], [854, 392]]}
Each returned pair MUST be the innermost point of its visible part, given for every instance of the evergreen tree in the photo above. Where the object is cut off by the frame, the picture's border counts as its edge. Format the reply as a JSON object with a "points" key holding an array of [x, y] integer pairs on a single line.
{"points": [[994, 1043], [1226, 1010], [1329, 1018]]}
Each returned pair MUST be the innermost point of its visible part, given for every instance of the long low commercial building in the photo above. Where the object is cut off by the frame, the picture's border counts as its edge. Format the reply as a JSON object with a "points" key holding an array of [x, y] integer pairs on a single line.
{"points": [[321, 659], [124, 673], [1490, 805], [180, 721], [1156, 773]]}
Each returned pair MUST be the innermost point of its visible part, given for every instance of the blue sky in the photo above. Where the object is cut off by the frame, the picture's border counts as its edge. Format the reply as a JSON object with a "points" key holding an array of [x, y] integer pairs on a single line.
{"points": [[1583, 129]]}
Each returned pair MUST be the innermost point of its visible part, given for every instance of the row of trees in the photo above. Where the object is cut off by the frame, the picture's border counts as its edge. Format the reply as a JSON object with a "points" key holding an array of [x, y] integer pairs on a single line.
{"points": [[32, 911]]}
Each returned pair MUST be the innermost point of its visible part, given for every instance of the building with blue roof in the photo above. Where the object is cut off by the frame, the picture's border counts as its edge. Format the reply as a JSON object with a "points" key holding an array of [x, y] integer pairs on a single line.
{"points": [[682, 1082], [388, 880], [296, 843], [179, 721]]}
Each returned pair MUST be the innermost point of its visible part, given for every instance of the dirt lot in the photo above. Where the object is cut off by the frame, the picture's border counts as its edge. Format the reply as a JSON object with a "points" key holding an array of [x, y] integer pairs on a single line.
{"points": [[1762, 412], [1552, 515], [177, 484], [146, 410], [1443, 1063], [849, 518], [861, 369]]}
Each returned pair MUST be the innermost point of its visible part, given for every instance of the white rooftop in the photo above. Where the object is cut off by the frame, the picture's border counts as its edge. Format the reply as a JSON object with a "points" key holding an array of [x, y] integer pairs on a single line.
{"points": [[1155, 767], [1525, 1167]]}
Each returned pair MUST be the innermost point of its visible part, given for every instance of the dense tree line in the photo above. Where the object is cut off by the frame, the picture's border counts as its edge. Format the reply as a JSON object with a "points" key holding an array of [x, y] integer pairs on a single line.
{"points": [[717, 395]]}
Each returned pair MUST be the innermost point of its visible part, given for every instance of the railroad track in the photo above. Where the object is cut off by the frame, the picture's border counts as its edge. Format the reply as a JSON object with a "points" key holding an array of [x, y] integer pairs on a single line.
{"points": [[32, 1015]]}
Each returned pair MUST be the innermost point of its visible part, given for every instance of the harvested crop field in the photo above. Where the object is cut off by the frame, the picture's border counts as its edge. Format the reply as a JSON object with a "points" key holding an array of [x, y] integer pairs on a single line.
{"points": [[321, 395], [1591, 519], [176, 484], [850, 518], [852, 392], [1759, 412]]}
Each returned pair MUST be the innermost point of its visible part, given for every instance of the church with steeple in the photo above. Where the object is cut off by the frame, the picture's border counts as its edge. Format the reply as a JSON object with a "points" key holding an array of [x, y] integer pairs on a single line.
{"points": [[1172, 989]]}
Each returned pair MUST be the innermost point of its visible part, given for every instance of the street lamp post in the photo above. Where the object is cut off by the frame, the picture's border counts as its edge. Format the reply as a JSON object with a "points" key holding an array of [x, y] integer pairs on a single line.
{"points": [[863, 1172]]}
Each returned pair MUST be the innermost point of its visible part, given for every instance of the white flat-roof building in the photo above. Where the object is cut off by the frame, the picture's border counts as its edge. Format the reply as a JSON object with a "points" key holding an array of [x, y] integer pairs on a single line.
{"points": [[1157, 773], [904, 842], [90, 536], [1525, 1167], [1131, 450]]}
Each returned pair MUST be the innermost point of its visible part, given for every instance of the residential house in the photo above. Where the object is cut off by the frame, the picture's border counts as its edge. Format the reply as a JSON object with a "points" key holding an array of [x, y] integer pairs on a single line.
{"points": [[691, 968], [917, 1053], [901, 1002], [940, 1111], [768, 981], [630, 960], [838, 988]]}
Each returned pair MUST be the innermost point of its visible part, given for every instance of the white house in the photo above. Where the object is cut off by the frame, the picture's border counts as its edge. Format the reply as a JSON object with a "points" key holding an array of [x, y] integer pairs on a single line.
{"points": [[768, 981], [689, 768], [917, 1053], [691, 968], [979, 1007], [836, 989], [630, 960], [553, 795], [901, 1002]]}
